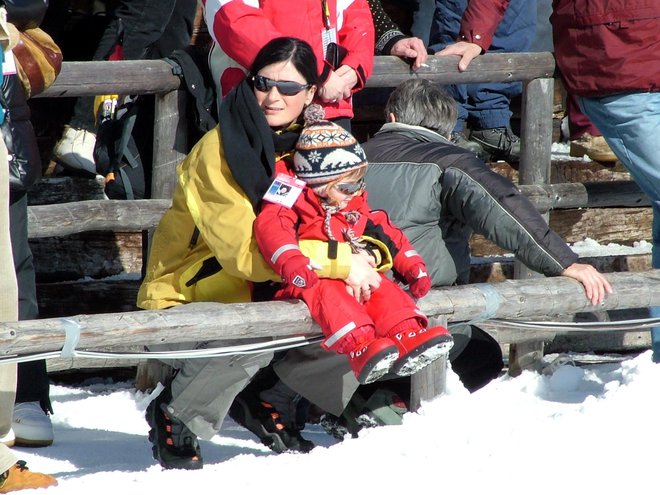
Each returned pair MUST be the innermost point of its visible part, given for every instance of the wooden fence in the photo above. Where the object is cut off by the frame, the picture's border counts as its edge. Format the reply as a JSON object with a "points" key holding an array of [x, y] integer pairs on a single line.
{"points": [[535, 70], [522, 299]]}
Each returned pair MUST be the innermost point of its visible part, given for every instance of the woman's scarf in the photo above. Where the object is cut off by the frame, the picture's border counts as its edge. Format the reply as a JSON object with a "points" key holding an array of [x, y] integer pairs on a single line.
{"points": [[250, 144]]}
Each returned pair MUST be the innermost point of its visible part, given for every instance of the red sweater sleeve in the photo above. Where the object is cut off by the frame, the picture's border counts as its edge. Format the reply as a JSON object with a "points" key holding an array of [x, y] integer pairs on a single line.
{"points": [[480, 20], [357, 35], [403, 253], [274, 231]]}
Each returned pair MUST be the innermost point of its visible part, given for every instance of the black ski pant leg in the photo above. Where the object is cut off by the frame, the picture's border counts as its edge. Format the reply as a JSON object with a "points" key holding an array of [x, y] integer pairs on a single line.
{"points": [[33, 383]]}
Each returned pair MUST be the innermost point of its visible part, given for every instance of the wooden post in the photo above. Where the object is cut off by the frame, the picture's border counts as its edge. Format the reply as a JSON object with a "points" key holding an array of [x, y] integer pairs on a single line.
{"points": [[170, 142], [170, 147], [535, 162], [536, 131], [432, 380]]}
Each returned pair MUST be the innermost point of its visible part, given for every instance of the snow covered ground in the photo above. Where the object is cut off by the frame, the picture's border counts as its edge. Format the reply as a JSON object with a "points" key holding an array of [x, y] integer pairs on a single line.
{"points": [[573, 429], [586, 429]]}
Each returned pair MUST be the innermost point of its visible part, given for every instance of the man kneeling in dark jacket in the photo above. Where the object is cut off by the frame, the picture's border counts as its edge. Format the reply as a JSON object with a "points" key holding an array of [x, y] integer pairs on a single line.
{"points": [[439, 194]]}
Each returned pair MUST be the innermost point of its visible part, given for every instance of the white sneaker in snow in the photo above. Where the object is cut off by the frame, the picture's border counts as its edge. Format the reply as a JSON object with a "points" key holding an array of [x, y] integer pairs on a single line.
{"points": [[9, 438], [75, 149], [31, 425]]}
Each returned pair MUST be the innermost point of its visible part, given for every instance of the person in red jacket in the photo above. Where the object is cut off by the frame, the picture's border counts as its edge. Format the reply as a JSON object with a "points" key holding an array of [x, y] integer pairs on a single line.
{"points": [[607, 52], [608, 57], [319, 195], [340, 33]]}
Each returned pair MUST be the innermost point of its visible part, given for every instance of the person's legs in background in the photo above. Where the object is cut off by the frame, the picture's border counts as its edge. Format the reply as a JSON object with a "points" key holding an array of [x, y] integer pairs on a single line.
{"points": [[489, 104], [485, 107], [630, 123], [31, 424], [422, 19], [177, 32], [7, 396], [13, 474], [444, 30], [585, 137], [141, 25]]}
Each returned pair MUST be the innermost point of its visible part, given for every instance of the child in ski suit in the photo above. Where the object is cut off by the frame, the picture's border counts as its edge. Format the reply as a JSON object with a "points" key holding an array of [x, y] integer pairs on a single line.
{"points": [[381, 329]]}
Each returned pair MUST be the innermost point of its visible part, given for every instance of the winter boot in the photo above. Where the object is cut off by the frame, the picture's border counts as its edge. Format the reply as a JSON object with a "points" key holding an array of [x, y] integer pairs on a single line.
{"points": [[75, 149], [372, 360], [174, 445], [459, 139], [335, 426], [418, 346], [31, 425], [19, 477], [595, 147], [384, 407], [500, 142], [261, 418]]}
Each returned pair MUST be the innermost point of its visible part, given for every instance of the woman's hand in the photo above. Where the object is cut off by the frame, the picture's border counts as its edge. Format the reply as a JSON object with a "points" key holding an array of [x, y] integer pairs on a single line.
{"points": [[350, 78], [595, 284], [363, 277], [335, 88]]}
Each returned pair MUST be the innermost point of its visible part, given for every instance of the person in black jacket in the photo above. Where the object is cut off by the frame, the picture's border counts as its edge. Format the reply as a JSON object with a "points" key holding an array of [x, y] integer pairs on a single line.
{"points": [[453, 194], [31, 424], [438, 194]]}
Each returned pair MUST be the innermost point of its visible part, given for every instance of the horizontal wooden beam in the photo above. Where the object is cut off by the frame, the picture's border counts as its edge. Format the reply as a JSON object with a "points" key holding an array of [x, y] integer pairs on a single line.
{"points": [[389, 72], [128, 216], [585, 195], [132, 77], [156, 76], [511, 299], [83, 216]]}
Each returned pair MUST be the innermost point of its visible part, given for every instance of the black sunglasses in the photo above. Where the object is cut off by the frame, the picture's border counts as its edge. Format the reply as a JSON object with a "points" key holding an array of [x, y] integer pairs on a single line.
{"points": [[349, 188], [286, 88]]}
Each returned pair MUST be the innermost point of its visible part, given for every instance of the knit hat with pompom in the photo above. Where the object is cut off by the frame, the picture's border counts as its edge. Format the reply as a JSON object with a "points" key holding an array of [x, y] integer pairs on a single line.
{"points": [[325, 150]]}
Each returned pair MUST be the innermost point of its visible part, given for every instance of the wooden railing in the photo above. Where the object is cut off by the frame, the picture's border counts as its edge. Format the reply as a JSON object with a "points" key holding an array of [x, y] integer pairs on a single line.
{"points": [[522, 299], [535, 70]]}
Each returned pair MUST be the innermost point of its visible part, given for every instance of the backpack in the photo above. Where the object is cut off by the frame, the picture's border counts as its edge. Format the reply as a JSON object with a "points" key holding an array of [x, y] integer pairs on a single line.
{"points": [[115, 152]]}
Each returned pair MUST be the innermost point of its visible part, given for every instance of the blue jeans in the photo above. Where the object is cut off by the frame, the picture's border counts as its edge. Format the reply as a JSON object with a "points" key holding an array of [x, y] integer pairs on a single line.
{"points": [[630, 123], [485, 105]]}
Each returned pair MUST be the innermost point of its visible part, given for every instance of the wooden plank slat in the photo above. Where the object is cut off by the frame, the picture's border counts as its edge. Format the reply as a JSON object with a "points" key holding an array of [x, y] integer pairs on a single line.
{"points": [[518, 299], [132, 77], [155, 76], [491, 67], [115, 215], [126, 215]]}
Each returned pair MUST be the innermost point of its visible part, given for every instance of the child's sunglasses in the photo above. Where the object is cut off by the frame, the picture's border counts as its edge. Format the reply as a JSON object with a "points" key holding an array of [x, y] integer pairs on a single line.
{"points": [[286, 88], [349, 188]]}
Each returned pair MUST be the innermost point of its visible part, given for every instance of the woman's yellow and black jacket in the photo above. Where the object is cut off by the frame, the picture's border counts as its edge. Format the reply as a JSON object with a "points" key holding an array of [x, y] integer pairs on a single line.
{"points": [[203, 249]]}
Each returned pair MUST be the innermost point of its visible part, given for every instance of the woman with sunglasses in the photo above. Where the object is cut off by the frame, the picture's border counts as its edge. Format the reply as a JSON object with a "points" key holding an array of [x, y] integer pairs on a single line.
{"points": [[380, 330], [341, 35], [204, 250]]}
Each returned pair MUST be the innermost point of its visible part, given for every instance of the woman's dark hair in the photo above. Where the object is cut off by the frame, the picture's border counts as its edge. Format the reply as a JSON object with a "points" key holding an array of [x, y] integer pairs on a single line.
{"points": [[284, 49]]}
